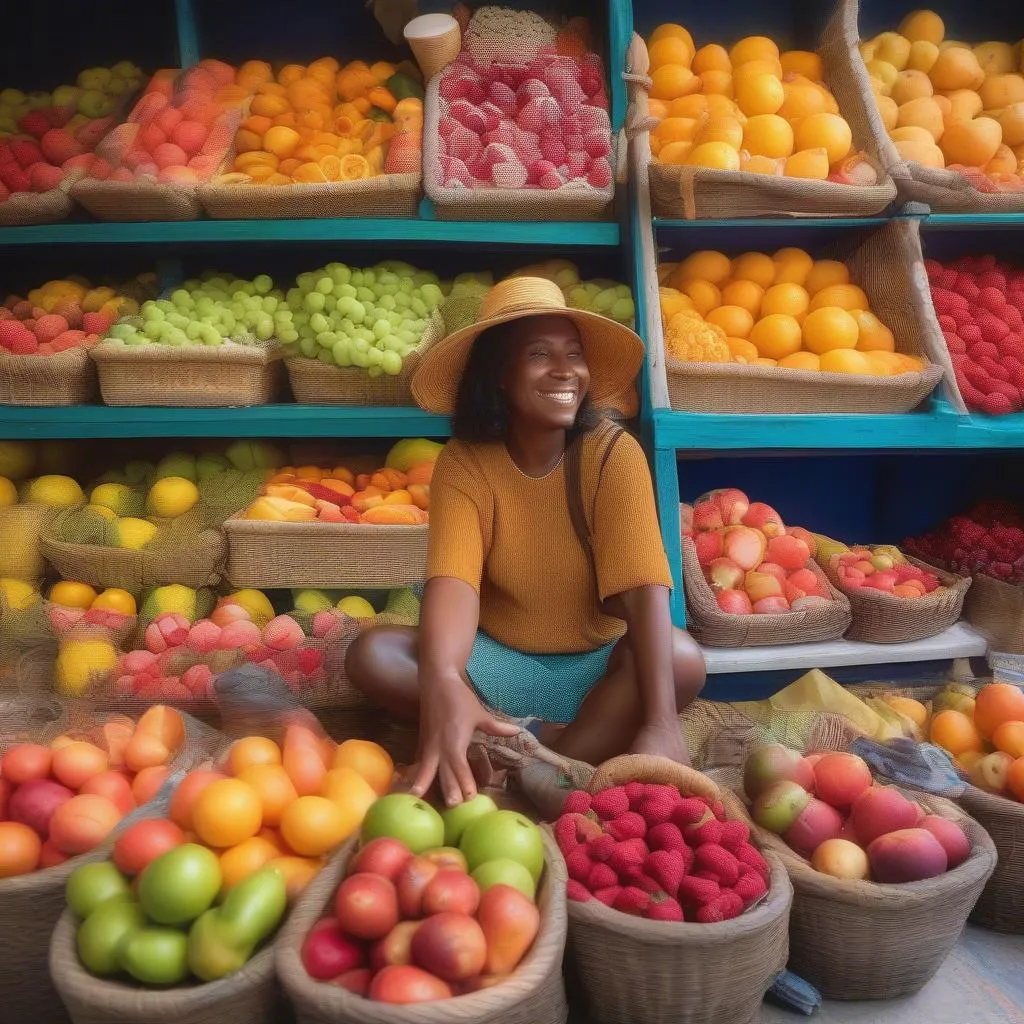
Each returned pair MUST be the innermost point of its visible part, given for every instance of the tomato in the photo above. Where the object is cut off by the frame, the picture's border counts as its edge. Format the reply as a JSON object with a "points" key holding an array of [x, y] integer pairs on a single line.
{"points": [[141, 844], [366, 906], [403, 985]]}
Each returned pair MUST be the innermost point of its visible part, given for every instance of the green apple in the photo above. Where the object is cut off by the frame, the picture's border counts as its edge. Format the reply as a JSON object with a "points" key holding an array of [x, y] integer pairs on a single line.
{"points": [[505, 872], [102, 933], [180, 885], [407, 818], [504, 835], [311, 601], [155, 955], [457, 819], [94, 884], [779, 806]]}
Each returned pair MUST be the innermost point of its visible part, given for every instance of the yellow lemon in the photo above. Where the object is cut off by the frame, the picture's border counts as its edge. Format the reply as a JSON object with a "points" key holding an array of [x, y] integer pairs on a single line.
{"points": [[113, 599], [356, 607], [131, 533], [81, 663], [72, 595], [829, 328], [172, 497], [55, 491], [18, 594], [119, 498], [8, 492]]}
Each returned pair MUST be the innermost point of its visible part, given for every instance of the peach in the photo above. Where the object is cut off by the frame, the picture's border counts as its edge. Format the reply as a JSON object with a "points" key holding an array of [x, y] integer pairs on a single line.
{"points": [[881, 810], [147, 783], [761, 585], [789, 552], [734, 602], [204, 637], [805, 535], [283, 633], [189, 136], [707, 516], [907, 855], [841, 859], [709, 547], [764, 518], [167, 154], [972, 143], [772, 606], [815, 824], [227, 612], [115, 786], [950, 836], [724, 574], [956, 67], [78, 762], [779, 806], [773, 569], [745, 546], [82, 823], [840, 778], [775, 763]]}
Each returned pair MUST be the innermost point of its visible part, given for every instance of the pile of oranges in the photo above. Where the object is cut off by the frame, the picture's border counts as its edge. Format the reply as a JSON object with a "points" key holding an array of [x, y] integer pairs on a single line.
{"points": [[750, 108], [324, 122], [787, 310]]}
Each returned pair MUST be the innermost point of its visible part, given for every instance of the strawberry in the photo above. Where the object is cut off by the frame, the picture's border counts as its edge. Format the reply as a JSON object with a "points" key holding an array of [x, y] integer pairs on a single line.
{"points": [[1013, 345], [656, 791], [577, 892], [992, 280], [632, 900], [601, 848], [971, 395], [934, 269], [946, 323], [26, 153], [578, 864], [718, 810], [1012, 318], [34, 123], [628, 826], [717, 859], [736, 833], [971, 333], [610, 803], [750, 887], [992, 299], [709, 832], [993, 369], [628, 854], [982, 349], [996, 405], [695, 892], [656, 810], [601, 877], [608, 896], [634, 793], [751, 856], [1015, 369], [578, 802], [691, 809], [711, 913], [992, 328], [96, 323], [731, 904], [955, 343], [666, 836], [664, 909], [666, 868]]}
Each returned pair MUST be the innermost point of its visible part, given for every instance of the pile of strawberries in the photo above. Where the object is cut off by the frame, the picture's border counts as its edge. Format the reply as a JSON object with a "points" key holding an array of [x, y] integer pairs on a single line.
{"points": [[989, 539], [980, 306], [646, 850]]}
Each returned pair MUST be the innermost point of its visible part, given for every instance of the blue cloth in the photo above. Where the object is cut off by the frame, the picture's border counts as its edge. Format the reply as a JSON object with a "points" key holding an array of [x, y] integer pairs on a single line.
{"points": [[550, 687]]}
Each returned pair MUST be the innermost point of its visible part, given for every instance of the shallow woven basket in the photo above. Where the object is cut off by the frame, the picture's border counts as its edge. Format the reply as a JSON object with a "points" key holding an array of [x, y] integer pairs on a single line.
{"points": [[67, 378], [880, 618], [196, 566], [889, 266], [137, 200], [570, 202], [663, 972], [23, 208], [715, 628], [193, 376], [693, 193], [266, 554], [996, 609], [942, 190], [534, 994]]}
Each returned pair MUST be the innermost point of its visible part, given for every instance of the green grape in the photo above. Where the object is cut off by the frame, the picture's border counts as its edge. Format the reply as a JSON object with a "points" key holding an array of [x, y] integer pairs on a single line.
{"points": [[360, 345], [381, 329], [309, 348], [264, 328], [353, 309], [327, 339], [623, 310], [394, 343], [174, 336], [624, 291], [395, 319], [282, 315], [269, 303], [344, 326], [193, 329], [165, 306], [262, 284], [180, 297], [330, 303], [388, 302], [431, 295], [604, 300], [402, 300], [419, 307], [193, 284], [318, 322], [365, 295], [210, 335], [369, 278], [154, 329], [325, 286], [314, 302], [356, 279], [137, 339], [345, 291], [391, 363], [341, 353], [294, 297], [306, 282], [325, 356], [288, 335], [359, 358], [123, 331]]}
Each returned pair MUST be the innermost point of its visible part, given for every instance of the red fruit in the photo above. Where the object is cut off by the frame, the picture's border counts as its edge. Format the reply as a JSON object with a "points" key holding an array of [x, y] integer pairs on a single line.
{"points": [[16, 337], [734, 834], [950, 836], [35, 123], [140, 844], [577, 892], [14, 177], [666, 868], [630, 825], [689, 811], [328, 953], [579, 864], [750, 887], [565, 834], [610, 803], [709, 547], [815, 824], [710, 832], [632, 900], [880, 810], [34, 802], [96, 323], [410, 884], [49, 326], [840, 778], [628, 855], [404, 985], [26, 153], [450, 946], [42, 177], [608, 896], [69, 339], [601, 877], [59, 145], [601, 848], [578, 802], [720, 862], [996, 404], [366, 906], [664, 909], [656, 810], [907, 855], [382, 856], [665, 836], [696, 892]]}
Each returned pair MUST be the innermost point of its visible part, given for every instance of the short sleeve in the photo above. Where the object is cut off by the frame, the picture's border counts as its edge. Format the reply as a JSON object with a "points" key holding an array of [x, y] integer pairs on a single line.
{"points": [[455, 547], [628, 550]]}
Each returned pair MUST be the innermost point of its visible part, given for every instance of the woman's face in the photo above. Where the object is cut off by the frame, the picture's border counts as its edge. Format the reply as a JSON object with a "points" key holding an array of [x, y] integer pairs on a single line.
{"points": [[546, 378]]}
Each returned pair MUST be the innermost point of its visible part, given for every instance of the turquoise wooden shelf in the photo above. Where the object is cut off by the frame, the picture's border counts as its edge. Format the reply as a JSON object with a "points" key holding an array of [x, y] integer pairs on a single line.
{"points": [[301, 421]]}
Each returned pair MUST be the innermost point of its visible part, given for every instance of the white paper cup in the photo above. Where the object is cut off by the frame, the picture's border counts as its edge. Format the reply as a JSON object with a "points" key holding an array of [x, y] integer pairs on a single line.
{"points": [[435, 40]]}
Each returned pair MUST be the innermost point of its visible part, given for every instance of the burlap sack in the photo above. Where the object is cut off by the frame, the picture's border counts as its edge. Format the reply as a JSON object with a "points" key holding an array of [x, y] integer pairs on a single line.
{"points": [[67, 378], [942, 190], [715, 628], [996, 609], [697, 193], [888, 265], [24, 208]]}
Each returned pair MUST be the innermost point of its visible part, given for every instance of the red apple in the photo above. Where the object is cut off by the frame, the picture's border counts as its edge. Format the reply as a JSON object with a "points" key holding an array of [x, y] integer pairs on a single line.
{"points": [[410, 884], [734, 602], [450, 946], [328, 953], [396, 947], [381, 856], [366, 906], [357, 981], [510, 922], [451, 890], [402, 985]]}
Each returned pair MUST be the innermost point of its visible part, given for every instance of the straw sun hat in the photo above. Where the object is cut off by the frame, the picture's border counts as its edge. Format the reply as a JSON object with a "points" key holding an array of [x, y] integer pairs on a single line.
{"points": [[614, 353]]}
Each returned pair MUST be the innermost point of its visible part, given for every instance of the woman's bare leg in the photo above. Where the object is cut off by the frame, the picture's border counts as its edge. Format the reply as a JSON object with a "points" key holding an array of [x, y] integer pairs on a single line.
{"points": [[381, 663]]}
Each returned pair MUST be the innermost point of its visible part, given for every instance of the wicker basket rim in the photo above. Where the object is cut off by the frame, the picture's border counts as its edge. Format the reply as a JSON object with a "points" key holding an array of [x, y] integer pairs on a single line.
{"points": [[896, 382], [238, 524], [230, 352], [376, 183]]}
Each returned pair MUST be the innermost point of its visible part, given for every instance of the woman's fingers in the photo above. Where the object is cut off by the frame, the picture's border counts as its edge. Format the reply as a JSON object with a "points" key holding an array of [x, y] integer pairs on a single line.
{"points": [[426, 772], [457, 782], [494, 727]]}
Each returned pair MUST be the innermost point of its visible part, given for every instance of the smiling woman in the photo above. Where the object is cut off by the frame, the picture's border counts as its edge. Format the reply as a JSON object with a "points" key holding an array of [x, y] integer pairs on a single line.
{"points": [[547, 583]]}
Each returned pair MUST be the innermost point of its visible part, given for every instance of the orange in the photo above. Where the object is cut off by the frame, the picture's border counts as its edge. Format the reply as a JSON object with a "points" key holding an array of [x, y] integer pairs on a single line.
{"points": [[829, 328], [717, 83], [825, 273], [802, 62], [269, 106], [997, 703], [704, 294], [290, 73], [227, 813], [1009, 738], [312, 825], [844, 360], [802, 99], [706, 265], [923, 25], [790, 299], [792, 266], [913, 709], [245, 859], [670, 30], [352, 793], [874, 335], [749, 71], [1015, 779], [759, 94], [673, 152], [298, 872], [845, 296], [776, 336], [250, 751], [72, 595], [274, 788], [711, 58], [724, 130], [754, 266], [745, 294], [742, 350], [370, 760], [670, 50], [827, 131], [671, 81], [734, 320], [677, 129], [807, 163], [956, 733], [694, 106], [883, 364], [753, 48], [801, 361], [115, 600], [254, 73], [768, 135], [718, 156]]}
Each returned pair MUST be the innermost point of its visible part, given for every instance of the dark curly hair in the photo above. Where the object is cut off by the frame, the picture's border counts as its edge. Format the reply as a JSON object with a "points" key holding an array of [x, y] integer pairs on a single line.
{"points": [[481, 409]]}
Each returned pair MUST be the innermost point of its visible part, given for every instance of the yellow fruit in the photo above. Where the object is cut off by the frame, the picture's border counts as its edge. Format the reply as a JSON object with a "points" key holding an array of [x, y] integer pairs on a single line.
{"points": [[671, 81], [720, 106], [803, 62], [972, 143], [172, 497], [923, 55], [705, 265], [827, 131], [677, 129], [101, 510], [762, 94], [81, 663], [672, 152], [726, 130], [913, 133], [694, 107], [776, 336], [131, 533], [55, 492], [999, 91], [845, 296], [808, 163], [18, 594], [16, 459], [114, 599], [801, 361], [72, 595], [670, 30], [882, 364], [874, 336], [719, 156], [768, 135], [927, 154], [670, 50], [923, 25], [996, 58], [757, 267], [753, 48], [845, 361], [742, 350], [717, 83], [884, 72], [923, 113], [8, 492], [829, 328], [790, 299], [746, 73], [893, 48], [911, 85], [282, 141], [825, 273], [734, 320], [704, 294], [356, 607], [673, 302], [745, 294], [802, 99], [711, 58], [965, 105], [888, 111], [256, 603], [752, 164], [1011, 120], [956, 67], [792, 266]]}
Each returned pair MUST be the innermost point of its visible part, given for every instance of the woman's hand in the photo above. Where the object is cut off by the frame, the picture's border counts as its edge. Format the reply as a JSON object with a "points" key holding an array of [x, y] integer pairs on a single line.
{"points": [[449, 715], [662, 740]]}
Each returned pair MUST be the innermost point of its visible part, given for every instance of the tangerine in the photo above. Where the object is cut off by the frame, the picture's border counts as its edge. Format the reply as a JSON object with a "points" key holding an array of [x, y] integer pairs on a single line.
{"points": [[759, 94], [845, 296], [706, 265], [825, 273], [803, 62], [670, 50], [790, 299], [368, 759], [1009, 738], [312, 825], [245, 859], [776, 336], [801, 361], [694, 106], [807, 163], [226, 813], [995, 704], [742, 350], [252, 750], [883, 364], [802, 99], [768, 135], [717, 83], [711, 58], [677, 129], [792, 266], [825, 131], [874, 335], [744, 293], [844, 360], [704, 294], [671, 81], [274, 788], [757, 267], [734, 320], [956, 733], [829, 328], [753, 48], [923, 25], [669, 29], [72, 595], [113, 599], [718, 156]]}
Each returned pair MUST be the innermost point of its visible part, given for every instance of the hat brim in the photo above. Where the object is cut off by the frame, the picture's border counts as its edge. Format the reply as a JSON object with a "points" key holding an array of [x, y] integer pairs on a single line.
{"points": [[614, 355]]}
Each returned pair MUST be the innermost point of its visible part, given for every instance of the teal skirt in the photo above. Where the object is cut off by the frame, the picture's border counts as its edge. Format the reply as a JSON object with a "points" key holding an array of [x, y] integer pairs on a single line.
{"points": [[550, 687]]}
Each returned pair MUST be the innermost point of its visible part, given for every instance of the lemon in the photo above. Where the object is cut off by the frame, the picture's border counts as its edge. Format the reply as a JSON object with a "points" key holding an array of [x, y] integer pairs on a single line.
{"points": [[18, 594], [172, 497], [101, 510], [55, 491], [8, 492], [356, 607], [81, 662], [256, 603], [119, 498], [132, 534], [72, 595]]}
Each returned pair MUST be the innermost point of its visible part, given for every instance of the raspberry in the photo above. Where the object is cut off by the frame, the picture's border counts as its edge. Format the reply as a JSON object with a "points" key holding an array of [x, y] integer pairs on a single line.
{"points": [[665, 909], [610, 803], [691, 809], [628, 854], [695, 892], [734, 834], [578, 802], [579, 864], [667, 869], [996, 405], [601, 877], [750, 887], [577, 892], [709, 832], [666, 836], [719, 860], [608, 896], [751, 856], [655, 810], [632, 900], [635, 792], [984, 348], [628, 826]]}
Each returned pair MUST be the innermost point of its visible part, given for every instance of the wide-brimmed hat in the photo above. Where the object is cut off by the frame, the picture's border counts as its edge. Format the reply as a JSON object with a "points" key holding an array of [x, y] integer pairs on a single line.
{"points": [[613, 352]]}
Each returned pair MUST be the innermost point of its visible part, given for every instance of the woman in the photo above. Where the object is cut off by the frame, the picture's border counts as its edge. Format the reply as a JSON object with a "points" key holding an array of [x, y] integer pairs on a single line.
{"points": [[547, 594]]}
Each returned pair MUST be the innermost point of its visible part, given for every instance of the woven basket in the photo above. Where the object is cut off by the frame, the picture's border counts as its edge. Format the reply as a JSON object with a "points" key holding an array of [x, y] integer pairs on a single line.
{"points": [[942, 190], [534, 994], [889, 266], [20, 528], [188, 376], [663, 972], [200, 565], [880, 618], [137, 200], [715, 628], [24, 208], [267, 555], [996, 609], [67, 378], [570, 202], [696, 193]]}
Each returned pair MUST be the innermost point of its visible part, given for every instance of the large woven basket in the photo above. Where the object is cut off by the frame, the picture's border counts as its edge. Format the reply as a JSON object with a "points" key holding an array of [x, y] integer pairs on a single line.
{"points": [[889, 266], [996, 609], [534, 994], [880, 618], [570, 202], [266, 554], [67, 378], [137, 200], [694, 193], [201, 564], [942, 190], [24, 208], [191, 376], [715, 628], [664, 972]]}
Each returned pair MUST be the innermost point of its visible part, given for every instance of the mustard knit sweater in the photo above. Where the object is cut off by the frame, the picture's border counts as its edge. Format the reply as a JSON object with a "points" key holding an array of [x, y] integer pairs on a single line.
{"points": [[511, 538]]}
